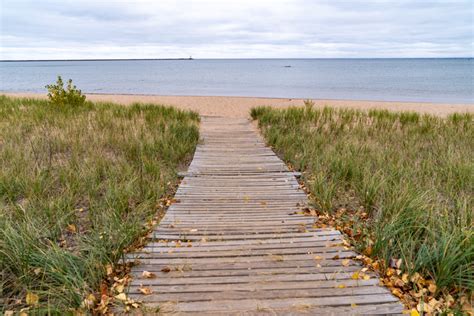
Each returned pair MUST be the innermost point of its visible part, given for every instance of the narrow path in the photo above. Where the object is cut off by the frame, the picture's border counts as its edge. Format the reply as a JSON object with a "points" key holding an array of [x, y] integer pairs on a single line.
{"points": [[237, 242]]}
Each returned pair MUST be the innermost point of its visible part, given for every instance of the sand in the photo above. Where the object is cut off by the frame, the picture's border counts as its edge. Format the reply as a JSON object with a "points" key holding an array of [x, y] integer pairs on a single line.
{"points": [[240, 106]]}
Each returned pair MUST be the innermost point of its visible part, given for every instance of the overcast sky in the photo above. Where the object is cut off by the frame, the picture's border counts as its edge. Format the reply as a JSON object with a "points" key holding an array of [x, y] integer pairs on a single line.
{"points": [[50, 29]]}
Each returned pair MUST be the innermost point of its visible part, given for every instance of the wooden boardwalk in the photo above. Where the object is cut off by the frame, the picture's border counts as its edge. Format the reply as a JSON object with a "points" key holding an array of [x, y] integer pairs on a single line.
{"points": [[236, 241]]}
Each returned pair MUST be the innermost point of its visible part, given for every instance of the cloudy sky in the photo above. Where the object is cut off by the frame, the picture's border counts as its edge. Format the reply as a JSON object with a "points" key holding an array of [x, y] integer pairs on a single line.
{"points": [[50, 29]]}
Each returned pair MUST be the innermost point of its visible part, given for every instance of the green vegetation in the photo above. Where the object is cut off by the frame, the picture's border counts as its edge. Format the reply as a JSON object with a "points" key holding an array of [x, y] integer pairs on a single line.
{"points": [[77, 186], [70, 96], [410, 175]]}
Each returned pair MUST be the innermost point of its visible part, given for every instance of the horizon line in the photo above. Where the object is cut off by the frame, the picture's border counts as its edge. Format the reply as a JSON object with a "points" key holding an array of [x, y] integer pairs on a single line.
{"points": [[232, 58]]}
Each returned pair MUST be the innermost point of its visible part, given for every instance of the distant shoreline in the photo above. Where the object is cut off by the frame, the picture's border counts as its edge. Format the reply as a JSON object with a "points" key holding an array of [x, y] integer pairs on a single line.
{"points": [[98, 59], [228, 106], [171, 59]]}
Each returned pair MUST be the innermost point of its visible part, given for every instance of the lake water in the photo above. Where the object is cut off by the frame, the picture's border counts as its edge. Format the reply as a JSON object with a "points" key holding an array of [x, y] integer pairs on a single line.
{"points": [[430, 80]]}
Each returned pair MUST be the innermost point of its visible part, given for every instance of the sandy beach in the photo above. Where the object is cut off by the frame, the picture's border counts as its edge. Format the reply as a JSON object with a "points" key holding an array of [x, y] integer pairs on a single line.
{"points": [[240, 106]]}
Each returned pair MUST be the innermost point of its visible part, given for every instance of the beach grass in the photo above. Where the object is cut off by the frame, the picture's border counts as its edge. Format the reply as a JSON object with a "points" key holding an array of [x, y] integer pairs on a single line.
{"points": [[404, 181], [77, 185]]}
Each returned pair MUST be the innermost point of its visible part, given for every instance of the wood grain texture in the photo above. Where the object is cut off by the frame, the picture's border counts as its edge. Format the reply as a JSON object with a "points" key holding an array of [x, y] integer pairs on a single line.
{"points": [[236, 240]]}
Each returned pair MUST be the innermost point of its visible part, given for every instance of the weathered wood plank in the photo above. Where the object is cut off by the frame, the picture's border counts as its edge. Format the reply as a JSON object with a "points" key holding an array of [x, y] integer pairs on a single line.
{"points": [[370, 309], [297, 304], [253, 287], [269, 294]]}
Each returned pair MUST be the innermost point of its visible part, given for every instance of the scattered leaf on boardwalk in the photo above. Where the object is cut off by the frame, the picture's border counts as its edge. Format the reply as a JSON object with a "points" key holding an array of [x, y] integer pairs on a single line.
{"points": [[302, 228], [148, 275], [345, 262], [318, 258], [277, 258], [166, 269], [145, 290], [341, 286]]}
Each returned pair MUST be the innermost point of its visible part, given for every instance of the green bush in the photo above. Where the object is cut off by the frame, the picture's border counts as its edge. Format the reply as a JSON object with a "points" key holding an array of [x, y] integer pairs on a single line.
{"points": [[69, 96]]}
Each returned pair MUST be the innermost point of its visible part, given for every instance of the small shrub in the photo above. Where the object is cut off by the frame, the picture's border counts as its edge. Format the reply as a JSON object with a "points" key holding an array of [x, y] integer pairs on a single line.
{"points": [[69, 96], [309, 104]]}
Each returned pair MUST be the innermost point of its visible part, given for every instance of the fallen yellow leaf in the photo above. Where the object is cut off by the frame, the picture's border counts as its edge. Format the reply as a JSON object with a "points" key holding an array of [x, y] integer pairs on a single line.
{"points": [[405, 277], [368, 251], [121, 297], [345, 262], [424, 307], [31, 298], [355, 275], [414, 312], [397, 293], [318, 258], [88, 302], [415, 277], [119, 288], [72, 228], [341, 286], [109, 269]]}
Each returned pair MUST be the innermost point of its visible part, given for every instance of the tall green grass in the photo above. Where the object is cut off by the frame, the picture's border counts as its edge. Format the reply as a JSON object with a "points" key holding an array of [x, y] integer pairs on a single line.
{"points": [[413, 174], [77, 186]]}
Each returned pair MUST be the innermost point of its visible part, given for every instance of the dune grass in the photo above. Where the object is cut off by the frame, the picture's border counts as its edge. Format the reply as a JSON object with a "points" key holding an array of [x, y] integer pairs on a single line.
{"points": [[412, 176], [77, 185]]}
